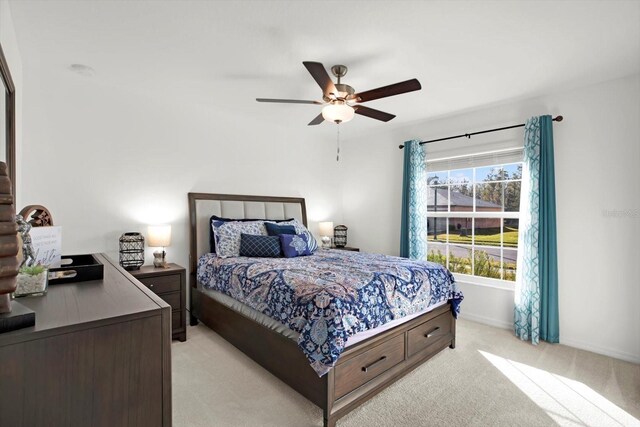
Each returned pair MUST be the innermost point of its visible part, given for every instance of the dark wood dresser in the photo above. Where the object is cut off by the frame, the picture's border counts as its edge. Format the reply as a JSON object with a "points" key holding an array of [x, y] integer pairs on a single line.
{"points": [[169, 284], [99, 355]]}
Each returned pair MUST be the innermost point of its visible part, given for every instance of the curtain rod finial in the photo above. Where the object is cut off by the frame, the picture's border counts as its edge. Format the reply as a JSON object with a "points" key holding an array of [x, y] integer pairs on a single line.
{"points": [[401, 146], [558, 119]]}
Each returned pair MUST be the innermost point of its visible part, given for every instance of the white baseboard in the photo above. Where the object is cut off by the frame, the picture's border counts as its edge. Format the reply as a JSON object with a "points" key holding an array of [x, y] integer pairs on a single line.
{"points": [[622, 355], [486, 320], [498, 323]]}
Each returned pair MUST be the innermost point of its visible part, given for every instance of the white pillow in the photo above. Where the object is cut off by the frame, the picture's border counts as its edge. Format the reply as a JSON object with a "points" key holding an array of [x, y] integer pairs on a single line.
{"points": [[227, 235]]}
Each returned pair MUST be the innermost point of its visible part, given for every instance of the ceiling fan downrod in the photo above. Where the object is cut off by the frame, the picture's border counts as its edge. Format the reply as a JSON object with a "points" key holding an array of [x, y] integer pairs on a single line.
{"points": [[339, 71]]}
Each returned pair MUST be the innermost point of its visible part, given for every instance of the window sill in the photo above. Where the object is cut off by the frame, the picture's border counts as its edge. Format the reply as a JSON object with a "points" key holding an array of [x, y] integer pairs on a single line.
{"points": [[466, 279]]}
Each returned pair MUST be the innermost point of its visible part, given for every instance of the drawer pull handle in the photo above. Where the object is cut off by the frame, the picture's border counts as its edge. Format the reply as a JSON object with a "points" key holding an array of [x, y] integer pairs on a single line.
{"points": [[366, 368], [432, 333]]}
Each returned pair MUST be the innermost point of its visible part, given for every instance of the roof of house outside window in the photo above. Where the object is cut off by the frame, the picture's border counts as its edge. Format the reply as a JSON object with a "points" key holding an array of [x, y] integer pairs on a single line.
{"points": [[457, 199]]}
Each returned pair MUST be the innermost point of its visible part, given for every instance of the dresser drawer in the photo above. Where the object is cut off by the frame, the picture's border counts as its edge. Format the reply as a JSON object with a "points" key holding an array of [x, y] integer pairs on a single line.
{"points": [[368, 365], [162, 284], [428, 333], [173, 299]]}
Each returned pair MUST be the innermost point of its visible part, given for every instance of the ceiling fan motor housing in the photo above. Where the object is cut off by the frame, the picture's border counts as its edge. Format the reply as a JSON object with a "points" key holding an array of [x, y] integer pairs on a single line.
{"points": [[345, 93]]}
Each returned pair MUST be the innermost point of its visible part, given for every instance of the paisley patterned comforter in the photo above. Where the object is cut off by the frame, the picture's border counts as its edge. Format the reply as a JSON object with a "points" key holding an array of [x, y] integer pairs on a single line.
{"points": [[332, 294]]}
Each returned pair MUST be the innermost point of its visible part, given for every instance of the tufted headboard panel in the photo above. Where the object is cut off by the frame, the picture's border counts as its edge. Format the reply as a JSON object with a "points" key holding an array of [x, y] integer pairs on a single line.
{"points": [[203, 205]]}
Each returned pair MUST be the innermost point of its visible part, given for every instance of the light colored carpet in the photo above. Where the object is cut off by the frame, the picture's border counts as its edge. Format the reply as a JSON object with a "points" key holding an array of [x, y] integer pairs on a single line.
{"points": [[489, 379]]}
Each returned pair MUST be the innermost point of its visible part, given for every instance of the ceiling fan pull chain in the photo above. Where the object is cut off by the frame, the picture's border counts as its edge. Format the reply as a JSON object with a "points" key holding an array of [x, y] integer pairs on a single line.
{"points": [[338, 145]]}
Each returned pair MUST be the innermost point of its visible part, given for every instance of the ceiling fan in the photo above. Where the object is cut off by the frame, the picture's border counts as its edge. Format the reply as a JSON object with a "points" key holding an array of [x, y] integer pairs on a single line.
{"points": [[341, 101]]}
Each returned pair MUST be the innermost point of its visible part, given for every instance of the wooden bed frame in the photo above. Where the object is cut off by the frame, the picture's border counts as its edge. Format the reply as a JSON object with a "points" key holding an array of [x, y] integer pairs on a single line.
{"points": [[363, 370]]}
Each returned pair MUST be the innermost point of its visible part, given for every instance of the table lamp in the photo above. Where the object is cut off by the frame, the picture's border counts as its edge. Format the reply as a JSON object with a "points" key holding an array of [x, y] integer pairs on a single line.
{"points": [[159, 237], [326, 232]]}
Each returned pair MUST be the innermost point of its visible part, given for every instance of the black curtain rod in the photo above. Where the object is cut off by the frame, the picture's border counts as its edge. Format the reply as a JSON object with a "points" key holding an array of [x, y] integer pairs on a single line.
{"points": [[469, 135]]}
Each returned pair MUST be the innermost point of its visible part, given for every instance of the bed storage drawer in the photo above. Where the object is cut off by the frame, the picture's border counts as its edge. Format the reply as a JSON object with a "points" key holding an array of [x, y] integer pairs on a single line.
{"points": [[368, 365], [428, 333]]}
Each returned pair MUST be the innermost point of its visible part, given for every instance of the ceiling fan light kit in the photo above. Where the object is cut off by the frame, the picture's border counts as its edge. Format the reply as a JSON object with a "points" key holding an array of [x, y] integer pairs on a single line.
{"points": [[338, 112], [341, 101]]}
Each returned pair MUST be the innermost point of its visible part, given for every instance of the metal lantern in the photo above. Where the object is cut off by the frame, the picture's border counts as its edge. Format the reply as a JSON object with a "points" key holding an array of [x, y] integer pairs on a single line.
{"points": [[131, 250], [340, 236]]}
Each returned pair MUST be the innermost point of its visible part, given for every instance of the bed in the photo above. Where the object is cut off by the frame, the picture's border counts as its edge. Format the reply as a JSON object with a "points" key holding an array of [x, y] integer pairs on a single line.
{"points": [[383, 345]]}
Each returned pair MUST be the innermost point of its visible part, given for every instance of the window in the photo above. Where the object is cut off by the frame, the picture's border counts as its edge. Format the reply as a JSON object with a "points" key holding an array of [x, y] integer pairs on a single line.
{"points": [[473, 219]]}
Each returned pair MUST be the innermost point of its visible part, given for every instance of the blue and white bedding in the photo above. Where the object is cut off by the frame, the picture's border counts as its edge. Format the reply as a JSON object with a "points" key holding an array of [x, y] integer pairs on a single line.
{"points": [[332, 294]]}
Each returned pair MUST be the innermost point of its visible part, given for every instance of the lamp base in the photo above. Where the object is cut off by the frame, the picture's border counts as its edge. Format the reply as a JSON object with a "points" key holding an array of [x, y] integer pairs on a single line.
{"points": [[326, 242], [159, 260]]}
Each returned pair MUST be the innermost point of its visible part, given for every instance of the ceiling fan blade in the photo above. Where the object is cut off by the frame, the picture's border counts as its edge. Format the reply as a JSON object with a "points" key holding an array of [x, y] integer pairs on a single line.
{"points": [[391, 90], [288, 101], [319, 119], [320, 75], [374, 114]]}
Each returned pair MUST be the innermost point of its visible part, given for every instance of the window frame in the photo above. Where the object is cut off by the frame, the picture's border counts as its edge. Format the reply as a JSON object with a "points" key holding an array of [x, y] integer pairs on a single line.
{"points": [[502, 215], [468, 279]]}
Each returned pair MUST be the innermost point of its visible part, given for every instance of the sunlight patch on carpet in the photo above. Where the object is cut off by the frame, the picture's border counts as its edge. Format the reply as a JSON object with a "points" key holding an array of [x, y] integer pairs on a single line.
{"points": [[567, 402]]}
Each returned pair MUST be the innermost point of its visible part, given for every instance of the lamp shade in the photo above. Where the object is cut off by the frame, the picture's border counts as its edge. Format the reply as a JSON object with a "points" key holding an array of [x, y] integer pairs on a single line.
{"points": [[338, 112], [326, 228], [159, 236]]}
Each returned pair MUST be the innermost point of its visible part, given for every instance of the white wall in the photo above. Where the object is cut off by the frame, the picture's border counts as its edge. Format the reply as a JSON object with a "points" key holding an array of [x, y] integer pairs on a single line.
{"points": [[12, 54], [106, 160], [597, 153]]}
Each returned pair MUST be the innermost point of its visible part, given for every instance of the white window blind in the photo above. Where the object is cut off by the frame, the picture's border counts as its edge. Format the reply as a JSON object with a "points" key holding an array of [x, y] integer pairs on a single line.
{"points": [[499, 157]]}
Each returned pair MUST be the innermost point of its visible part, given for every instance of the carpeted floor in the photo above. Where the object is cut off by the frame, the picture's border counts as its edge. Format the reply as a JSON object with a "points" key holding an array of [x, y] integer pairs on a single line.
{"points": [[489, 379]]}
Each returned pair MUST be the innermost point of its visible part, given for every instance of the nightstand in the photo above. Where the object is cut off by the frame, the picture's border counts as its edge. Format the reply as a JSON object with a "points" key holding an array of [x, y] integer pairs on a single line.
{"points": [[170, 285], [346, 248]]}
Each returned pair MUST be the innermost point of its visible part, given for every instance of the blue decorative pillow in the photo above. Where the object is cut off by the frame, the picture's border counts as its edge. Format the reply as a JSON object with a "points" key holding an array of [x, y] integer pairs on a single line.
{"points": [[313, 243], [294, 245], [212, 240], [277, 229], [301, 229], [259, 246]]}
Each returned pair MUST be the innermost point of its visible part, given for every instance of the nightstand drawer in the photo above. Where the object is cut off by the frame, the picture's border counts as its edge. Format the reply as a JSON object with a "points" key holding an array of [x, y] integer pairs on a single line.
{"points": [[162, 284], [176, 320], [173, 299], [169, 284]]}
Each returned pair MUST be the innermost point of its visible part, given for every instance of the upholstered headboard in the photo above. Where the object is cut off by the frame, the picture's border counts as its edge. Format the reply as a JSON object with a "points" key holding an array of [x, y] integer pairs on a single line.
{"points": [[203, 205]]}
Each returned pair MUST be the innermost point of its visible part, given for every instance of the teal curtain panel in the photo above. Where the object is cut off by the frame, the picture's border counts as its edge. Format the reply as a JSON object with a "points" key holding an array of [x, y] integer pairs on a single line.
{"points": [[536, 291], [413, 225]]}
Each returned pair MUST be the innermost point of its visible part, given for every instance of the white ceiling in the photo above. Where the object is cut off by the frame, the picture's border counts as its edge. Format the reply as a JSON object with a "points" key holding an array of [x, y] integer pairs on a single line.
{"points": [[223, 54]]}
